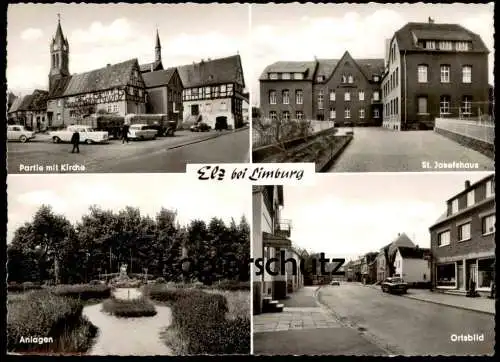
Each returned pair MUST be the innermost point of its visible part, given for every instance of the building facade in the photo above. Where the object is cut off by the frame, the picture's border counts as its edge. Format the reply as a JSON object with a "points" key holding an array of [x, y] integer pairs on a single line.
{"points": [[164, 93], [346, 91], [389, 251], [213, 92], [30, 111], [413, 265], [463, 239], [433, 70], [270, 236]]}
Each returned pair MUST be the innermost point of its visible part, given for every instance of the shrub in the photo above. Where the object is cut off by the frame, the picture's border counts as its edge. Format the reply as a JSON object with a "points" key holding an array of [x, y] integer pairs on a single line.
{"points": [[232, 285], [129, 308], [83, 291], [162, 293], [14, 287], [160, 280], [41, 314]]}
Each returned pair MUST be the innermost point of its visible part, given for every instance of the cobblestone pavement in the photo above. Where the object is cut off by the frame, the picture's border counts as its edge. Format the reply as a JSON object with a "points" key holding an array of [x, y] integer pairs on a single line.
{"points": [[293, 318]]}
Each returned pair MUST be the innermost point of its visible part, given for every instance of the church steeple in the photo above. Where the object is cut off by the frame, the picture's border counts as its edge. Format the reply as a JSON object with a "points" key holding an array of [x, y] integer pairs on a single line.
{"points": [[157, 48], [59, 55]]}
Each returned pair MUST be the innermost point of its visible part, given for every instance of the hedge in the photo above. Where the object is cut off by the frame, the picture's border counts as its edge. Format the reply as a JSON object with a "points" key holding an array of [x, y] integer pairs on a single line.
{"points": [[83, 291], [129, 308]]}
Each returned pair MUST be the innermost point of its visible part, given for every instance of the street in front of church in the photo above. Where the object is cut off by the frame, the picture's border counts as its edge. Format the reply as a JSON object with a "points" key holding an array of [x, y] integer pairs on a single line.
{"points": [[165, 154]]}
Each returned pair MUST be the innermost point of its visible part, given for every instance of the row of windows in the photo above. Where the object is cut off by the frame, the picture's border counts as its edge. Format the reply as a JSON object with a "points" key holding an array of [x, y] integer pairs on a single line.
{"points": [[392, 107], [299, 97], [445, 105], [445, 73], [459, 46], [223, 90], [299, 115], [393, 82], [470, 199], [286, 76], [464, 231]]}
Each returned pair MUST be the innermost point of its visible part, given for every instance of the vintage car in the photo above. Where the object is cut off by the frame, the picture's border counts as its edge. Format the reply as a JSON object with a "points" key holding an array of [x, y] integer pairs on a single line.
{"points": [[334, 282], [141, 132], [200, 127], [395, 285], [87, 135], [19, 133]]}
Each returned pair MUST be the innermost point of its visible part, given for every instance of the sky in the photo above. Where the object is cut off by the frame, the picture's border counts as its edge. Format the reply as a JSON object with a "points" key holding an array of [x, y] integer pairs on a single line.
{"points": [[73, 194], [101, 34], [328, 30], [348, 215]]}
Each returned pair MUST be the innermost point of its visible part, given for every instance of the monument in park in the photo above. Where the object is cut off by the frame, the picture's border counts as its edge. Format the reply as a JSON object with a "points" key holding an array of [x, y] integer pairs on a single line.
{"points": [[123, 271]]}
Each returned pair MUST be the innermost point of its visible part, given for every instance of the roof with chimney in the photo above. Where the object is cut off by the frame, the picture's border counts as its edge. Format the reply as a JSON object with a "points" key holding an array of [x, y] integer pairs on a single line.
{"points": [[158, 78], [413, 253], [409, 35], [212, 72], [306, 67], [36, 101], [111, 76], [401, 240], [323, 67]]}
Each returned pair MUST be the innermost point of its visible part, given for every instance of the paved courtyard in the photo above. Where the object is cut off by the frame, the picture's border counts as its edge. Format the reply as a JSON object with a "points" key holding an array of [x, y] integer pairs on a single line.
{"points": [[376, 149], [293, 318]]}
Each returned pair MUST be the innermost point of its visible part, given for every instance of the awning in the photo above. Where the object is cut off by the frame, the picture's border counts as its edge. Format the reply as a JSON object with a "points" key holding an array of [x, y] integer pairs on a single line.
{"points": [[275, 240]]}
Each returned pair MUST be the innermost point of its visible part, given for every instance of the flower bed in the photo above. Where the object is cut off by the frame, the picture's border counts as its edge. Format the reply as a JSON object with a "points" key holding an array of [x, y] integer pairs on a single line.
{"points": [[41, 314], [140, 307], [201, 324], [82, 291]]}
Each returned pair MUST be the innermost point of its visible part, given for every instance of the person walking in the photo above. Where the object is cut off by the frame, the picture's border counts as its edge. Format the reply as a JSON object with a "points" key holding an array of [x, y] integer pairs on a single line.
{"points": [[125, 132], [75, 140]]}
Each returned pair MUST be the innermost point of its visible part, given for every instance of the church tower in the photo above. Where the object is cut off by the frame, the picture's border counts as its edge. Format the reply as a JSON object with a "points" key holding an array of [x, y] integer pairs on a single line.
{"points": [[157, 48], [59, 56]]}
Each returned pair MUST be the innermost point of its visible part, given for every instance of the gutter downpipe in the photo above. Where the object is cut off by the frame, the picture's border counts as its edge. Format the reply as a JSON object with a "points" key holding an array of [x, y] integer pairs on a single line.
{"points": [[406, 89]]}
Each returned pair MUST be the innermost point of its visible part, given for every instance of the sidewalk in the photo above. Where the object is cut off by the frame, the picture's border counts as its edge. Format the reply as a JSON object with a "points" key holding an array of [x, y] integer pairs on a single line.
{"points": [[480, 304], [306, 328]]}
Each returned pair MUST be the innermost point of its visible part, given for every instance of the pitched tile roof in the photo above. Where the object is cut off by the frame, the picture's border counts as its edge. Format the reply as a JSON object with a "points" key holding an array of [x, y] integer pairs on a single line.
{"points": [[371, 67], [307, 67], [158, 78], [37, 101], [326, 67], [208, 72], [112, 76], [146, 67], [408, 34], [401, 240], [413, 253]]}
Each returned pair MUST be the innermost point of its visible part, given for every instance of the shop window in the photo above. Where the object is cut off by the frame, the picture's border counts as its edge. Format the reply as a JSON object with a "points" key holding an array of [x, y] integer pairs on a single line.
{"points": [[485, 270], [445, 275]]}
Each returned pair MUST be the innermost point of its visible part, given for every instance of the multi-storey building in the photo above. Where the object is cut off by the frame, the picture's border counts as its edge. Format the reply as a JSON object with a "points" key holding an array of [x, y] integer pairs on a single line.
{"points": [[213, 92], [463, 239], [433, 70], [270, 236], [30, 110], [164, 93], [345, 90]]}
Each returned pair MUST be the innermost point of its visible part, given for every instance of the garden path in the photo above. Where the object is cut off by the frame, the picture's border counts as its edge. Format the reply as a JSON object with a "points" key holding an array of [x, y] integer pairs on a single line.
{"points": [[128, 336]]}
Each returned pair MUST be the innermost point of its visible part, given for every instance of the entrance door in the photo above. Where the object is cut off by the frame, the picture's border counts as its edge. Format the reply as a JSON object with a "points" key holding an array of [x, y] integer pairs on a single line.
{"points": [[460, 277], [473, 272]]}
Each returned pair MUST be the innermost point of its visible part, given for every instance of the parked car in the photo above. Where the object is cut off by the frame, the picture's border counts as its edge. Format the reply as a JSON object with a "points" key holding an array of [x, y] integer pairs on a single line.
{"points": [[394, 285], [87, 135], [335, 282], [200, 127], [19, 133], [142, 132]]}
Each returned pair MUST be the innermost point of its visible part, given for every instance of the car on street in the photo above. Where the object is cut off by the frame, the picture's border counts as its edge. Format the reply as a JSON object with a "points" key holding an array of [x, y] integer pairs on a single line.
{"points": [[394, 285], [87, 135], [19, 133], [142, 132], [334, 282], [200, 127]]}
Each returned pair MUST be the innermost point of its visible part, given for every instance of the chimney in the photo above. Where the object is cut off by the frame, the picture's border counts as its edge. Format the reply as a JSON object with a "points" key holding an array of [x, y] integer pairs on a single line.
{"points": [[108, 65], [431, 20], [387, 51], [399, 234], [467, 184]]}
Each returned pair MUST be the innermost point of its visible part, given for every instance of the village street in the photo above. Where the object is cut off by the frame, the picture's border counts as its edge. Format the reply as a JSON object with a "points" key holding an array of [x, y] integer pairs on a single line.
{"points": [[362, 320], [165, 154]]}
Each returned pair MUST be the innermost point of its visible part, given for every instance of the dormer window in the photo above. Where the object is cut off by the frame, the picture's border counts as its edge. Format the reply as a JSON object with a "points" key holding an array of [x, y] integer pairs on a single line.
{"points": [[462, 46], [454, 206], [273, 76], [285, 76], [298, 76], [430, 44], [350, 79], [344, 79], [376, 78], [445, 45]]}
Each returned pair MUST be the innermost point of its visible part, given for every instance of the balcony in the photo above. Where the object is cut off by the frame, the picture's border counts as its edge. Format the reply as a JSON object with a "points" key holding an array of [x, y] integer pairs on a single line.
{"points": [[283, 228]]}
